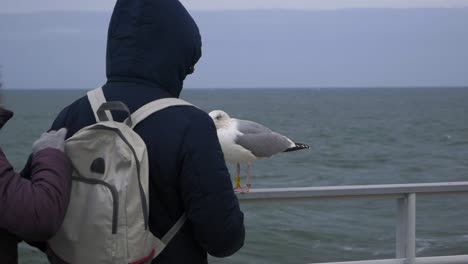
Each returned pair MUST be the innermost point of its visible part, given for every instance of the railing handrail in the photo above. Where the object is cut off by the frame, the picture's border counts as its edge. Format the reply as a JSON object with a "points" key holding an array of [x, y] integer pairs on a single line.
{"points": [[458, 259], [353, 190], [405, 195]]}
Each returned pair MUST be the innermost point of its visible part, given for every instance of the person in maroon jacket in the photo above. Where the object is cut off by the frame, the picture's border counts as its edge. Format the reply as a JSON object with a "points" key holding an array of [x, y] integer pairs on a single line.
{"points": [[33, 210]]}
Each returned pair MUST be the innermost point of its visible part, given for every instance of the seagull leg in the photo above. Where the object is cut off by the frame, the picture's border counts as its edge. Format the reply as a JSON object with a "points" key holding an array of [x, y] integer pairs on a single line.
{"points": [[247, 189], [237, 187]]}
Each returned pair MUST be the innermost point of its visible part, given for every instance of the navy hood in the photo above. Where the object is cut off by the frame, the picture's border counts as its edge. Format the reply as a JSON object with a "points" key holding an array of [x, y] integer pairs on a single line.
{"points": [[155, 42]]}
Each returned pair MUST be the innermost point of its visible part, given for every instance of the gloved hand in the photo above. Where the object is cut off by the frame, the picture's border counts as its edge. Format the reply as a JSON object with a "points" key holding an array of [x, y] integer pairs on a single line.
{"points": [[5, 115], [52, 139]]}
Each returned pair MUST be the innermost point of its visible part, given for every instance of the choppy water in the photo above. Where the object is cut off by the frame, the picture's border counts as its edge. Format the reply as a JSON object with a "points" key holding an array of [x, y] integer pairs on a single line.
{"points": [[358, 136]]}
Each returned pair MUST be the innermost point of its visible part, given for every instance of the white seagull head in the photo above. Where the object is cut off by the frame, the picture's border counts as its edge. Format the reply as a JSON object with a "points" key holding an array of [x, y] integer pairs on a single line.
{"points": [[220, 118]]}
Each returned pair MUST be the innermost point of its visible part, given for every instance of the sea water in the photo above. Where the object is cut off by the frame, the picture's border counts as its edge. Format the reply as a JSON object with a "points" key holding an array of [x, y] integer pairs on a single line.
{"points": [[357, 136]]}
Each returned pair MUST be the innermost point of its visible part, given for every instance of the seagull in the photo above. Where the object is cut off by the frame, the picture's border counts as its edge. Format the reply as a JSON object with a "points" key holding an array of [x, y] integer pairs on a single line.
{"points": [[244, 141]]}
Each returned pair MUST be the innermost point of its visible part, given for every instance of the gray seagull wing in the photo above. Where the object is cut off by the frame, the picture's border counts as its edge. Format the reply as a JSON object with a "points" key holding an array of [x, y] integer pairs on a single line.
{"points": [[249, 127], [259, 140]]}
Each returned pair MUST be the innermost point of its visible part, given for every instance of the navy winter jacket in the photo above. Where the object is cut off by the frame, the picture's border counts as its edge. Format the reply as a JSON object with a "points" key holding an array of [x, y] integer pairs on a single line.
{"points": [[152, 46]]}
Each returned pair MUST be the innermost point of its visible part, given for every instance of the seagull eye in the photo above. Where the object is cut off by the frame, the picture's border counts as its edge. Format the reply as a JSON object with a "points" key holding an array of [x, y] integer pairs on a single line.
{"points": [[218, 117]]}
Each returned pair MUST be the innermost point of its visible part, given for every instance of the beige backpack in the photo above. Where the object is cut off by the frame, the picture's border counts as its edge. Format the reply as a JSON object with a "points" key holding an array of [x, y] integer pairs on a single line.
{"points": [[107, 219]]}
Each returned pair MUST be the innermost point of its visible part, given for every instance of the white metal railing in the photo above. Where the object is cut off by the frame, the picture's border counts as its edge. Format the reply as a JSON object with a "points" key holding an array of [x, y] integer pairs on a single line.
{"points": [[405, 195]]}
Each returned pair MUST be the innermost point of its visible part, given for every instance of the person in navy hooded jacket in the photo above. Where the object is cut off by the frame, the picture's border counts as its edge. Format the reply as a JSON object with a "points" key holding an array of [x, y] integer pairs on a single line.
{"points": [[152, 46]]}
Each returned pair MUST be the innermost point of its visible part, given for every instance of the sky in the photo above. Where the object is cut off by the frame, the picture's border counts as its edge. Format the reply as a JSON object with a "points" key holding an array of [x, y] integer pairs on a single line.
{"points": [[309, 44], [106, 5]]}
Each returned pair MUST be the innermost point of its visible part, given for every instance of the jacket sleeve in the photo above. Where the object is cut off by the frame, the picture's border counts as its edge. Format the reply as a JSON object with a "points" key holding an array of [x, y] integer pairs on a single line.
{"points": [[209, 199], [34, 209]]}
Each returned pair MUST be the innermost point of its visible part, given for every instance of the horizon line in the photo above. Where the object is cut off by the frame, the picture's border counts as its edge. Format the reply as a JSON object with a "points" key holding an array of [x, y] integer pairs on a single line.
{"points": [[290, 9], [267, 88]]}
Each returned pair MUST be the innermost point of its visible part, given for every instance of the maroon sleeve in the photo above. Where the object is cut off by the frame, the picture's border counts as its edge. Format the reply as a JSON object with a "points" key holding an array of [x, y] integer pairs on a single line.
{"points": [[34, 209]]}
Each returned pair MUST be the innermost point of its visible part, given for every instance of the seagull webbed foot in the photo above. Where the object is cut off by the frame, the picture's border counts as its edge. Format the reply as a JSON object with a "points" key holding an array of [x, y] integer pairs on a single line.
{"points": [[242, 190]]}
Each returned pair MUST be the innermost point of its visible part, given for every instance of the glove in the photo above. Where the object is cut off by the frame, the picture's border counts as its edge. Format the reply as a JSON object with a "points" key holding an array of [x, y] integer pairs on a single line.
{"points": [[5, 115], [52, 139]]}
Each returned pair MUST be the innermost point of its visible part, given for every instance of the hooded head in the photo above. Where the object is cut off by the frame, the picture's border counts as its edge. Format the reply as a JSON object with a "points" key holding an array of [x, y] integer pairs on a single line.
{"points": [[152, 41]]}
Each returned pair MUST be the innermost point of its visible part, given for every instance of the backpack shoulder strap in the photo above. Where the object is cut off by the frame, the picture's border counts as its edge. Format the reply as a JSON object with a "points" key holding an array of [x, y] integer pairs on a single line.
{"points": [[161, 243], [152, 107], [174, 229], [96, 99]]}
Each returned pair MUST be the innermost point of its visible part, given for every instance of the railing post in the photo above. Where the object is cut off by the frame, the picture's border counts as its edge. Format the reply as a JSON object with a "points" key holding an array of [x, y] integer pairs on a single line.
{"points": [[411, 229], [402, 210], [406, 228]]}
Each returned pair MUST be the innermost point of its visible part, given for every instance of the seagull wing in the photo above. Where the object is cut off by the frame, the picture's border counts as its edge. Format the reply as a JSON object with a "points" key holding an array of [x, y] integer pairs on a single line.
{"points": [[264, 145], [248, 127]]}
